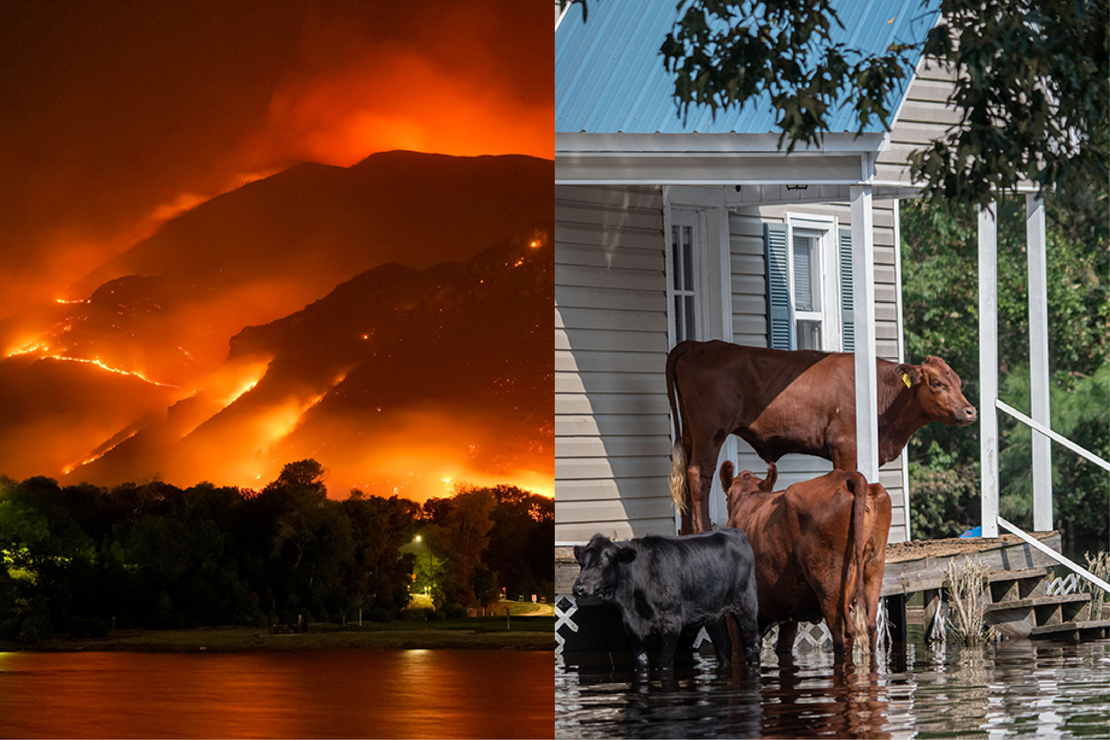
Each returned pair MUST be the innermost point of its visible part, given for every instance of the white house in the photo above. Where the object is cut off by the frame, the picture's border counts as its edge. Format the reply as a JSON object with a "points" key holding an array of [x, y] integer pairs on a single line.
{"points": [[669, 228]]}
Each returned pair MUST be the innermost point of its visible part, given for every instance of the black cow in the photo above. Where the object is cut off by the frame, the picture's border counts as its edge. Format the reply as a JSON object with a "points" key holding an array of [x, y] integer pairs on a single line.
{"points": [[665, 584]]}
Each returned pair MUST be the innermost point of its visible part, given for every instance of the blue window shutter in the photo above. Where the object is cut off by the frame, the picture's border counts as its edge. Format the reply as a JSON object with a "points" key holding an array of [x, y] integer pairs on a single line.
{"points": [[847, 294], [780, 312]]}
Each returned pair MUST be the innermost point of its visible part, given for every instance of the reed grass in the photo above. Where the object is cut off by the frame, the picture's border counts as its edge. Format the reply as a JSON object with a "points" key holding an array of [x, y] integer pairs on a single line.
{"points": [[1099, 564], [965, 593]]}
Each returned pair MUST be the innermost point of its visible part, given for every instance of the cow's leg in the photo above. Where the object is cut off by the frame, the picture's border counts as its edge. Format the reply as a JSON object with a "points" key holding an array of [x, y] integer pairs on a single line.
{"points": [[639, 652], [722, 643], [750, 638], [840, 626], [788, 632], [831, 587], [687, 526], [703, 463], [844, 458], [669, 642], [842, 641], [733, 632], [872, 593]]}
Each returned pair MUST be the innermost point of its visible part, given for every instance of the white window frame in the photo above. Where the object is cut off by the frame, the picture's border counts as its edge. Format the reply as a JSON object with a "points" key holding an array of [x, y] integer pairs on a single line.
{"points": [[825, 230], [695, 220]]}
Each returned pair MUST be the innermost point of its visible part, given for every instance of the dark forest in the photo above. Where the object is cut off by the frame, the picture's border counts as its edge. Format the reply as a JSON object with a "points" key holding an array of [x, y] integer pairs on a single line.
{"points": [[84, 559]]}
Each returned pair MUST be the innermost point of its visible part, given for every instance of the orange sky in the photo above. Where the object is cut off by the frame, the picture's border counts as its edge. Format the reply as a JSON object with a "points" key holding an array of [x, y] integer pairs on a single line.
{"points": [[119, 116]]}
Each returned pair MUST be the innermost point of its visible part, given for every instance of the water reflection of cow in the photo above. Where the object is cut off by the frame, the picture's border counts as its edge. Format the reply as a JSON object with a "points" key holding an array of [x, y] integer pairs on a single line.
{"points": [[838, 702], [783, 402]]}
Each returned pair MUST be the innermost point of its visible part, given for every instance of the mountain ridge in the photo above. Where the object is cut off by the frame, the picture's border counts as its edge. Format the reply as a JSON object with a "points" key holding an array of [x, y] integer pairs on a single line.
{"points": [[200, 319]]}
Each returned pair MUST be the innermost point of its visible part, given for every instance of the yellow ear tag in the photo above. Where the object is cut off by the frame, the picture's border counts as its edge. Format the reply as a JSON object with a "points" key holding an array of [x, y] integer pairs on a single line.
{"points": [[906, 380]]}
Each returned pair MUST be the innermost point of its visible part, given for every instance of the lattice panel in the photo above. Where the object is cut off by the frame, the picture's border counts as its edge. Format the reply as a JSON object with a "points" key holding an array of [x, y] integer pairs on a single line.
{"points": [[565, 608], [1069, 584]]}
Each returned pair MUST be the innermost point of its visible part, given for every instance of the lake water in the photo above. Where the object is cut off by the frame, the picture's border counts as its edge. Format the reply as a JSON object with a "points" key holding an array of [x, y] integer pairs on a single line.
{"points": [[348, 693], [1010, 689]]}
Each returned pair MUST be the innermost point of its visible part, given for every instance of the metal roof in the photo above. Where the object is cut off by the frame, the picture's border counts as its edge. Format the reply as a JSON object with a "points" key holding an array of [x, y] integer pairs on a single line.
{"points": [[609, 74]]}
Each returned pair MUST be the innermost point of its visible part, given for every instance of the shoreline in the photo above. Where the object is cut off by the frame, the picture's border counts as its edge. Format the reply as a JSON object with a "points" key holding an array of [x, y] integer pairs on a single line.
{"points": [[452, 635]]}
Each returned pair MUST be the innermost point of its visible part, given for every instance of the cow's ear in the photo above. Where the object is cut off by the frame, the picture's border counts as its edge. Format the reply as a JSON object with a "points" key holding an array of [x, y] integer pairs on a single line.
{"points": [[578, 553], [768, 483], [727, 472], [910, 375], [626, 554]]}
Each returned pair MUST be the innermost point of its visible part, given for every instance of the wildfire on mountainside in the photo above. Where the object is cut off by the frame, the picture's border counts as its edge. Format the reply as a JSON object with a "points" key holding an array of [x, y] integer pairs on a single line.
{"points": [[397, 381], [110, 369], [291, 272]]}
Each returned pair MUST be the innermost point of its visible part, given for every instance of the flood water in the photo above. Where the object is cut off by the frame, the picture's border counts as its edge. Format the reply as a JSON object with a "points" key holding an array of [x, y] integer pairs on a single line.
{"points": [[1009, 689], [348, 693]]}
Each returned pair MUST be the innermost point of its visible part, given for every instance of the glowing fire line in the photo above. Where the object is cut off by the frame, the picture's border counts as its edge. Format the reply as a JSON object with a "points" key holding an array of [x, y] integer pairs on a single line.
{"points": [[111, 369], [32, 347], [93, 458]]}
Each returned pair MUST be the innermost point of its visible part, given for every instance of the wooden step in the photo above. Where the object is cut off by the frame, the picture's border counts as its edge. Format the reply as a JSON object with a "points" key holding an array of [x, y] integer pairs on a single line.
{"points": [[1019, 617], [1073, 631], [1041, 601], [1014, 585]]}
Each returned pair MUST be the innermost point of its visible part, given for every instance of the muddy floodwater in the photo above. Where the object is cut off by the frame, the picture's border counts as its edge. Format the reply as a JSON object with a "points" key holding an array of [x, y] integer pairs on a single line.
{"points": [[305, 694], [1009, 689]]}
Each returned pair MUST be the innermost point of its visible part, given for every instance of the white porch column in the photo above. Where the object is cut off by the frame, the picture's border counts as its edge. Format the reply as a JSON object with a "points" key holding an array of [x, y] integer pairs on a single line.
{"points": [[1038, 361], [988, 367], [863, 280]]}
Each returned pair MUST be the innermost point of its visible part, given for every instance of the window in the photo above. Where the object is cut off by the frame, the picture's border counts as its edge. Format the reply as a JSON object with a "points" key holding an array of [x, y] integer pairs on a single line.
{"points": [[684, 275], [807, 277], [809, 284]]}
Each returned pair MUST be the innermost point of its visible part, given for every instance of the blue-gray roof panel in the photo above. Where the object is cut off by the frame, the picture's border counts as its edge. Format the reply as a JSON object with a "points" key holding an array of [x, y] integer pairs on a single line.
{"points": [[609, 74]]}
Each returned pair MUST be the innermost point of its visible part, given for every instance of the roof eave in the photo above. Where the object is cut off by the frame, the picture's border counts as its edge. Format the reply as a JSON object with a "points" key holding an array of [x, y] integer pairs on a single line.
{"points": [[729, 143], [713, 159]]}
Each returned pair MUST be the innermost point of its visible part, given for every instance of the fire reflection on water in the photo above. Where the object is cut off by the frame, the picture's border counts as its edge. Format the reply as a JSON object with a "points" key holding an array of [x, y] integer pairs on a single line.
{"points": [[349, 693]]}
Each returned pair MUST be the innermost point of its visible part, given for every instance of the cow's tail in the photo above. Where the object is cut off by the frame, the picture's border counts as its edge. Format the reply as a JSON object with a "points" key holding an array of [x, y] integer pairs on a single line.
{"points": [[859, 537], [680, 490]]}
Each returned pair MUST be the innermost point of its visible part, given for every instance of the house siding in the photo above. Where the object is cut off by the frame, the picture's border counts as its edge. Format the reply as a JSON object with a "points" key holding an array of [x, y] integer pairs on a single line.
{"points": [[924, 118], [612, 419]]}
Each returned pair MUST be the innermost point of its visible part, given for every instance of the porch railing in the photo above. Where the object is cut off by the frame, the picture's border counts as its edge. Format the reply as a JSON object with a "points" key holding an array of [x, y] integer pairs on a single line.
{"points": [[1086, 454], [1037, 426]]}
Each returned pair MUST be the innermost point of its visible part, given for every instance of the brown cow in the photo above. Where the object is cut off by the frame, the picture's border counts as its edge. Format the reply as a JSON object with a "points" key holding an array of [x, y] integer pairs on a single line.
{"points": [[782, 401], [811, 543]]}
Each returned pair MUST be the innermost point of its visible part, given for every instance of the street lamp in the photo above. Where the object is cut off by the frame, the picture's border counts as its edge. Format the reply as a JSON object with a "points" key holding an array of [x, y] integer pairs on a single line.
{"points": [[427, 587]]}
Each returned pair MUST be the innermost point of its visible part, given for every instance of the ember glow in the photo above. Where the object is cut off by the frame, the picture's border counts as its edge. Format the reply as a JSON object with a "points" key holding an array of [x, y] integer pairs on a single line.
{"points": [[110, 369], [172, 304], [97, 455]]}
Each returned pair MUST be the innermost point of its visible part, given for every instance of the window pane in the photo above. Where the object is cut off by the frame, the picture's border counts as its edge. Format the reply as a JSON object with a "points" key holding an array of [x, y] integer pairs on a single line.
{"points": [[690, 333], [809, 334], [806, 274], [676, 258], [679, 320], [687, 258]]}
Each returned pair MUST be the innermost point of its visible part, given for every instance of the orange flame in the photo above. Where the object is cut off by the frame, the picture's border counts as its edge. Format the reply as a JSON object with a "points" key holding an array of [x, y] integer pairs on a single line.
{"points": [[93, 458], [111, 369]]}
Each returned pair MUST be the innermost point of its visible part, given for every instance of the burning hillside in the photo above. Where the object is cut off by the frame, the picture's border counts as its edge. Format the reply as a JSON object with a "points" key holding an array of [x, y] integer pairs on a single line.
{"points": [[427, 362]]}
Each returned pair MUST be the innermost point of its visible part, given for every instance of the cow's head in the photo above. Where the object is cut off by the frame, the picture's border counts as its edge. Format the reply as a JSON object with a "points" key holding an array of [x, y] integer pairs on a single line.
{"points": [[745, 483], [600, 562], [937, 392]]}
